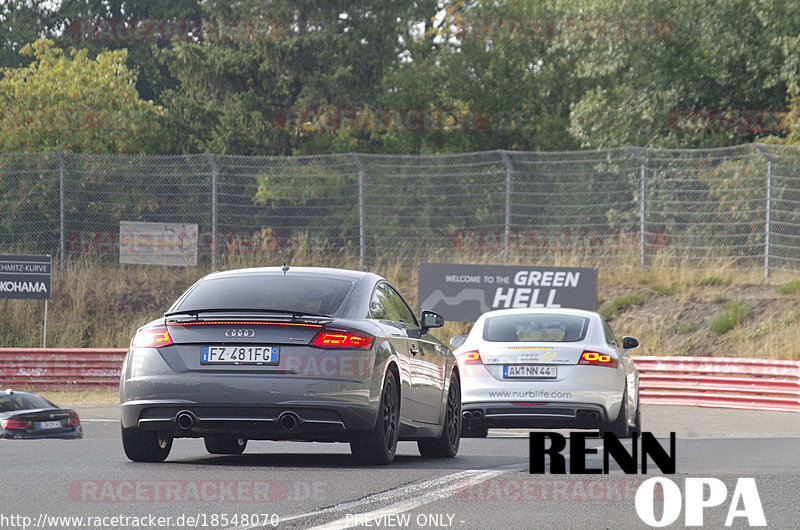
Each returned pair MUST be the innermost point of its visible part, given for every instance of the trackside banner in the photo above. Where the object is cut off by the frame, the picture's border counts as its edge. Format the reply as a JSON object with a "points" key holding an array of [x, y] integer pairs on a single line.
{"points": [[25, 277], [461, 292], [158, 243]]}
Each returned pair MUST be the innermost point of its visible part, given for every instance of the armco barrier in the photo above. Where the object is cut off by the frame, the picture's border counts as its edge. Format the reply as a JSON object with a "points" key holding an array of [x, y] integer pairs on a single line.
{"points": [[755, 384], [60, 368]]}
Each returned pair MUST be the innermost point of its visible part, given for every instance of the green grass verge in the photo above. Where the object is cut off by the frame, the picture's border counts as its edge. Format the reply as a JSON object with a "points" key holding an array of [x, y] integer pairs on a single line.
{"points": [[733, 313], [789, 287], [621, 303]]}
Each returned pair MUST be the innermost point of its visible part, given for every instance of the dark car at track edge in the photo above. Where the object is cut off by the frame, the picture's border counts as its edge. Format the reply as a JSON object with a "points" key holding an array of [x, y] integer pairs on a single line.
{"points": [[29, 416]]}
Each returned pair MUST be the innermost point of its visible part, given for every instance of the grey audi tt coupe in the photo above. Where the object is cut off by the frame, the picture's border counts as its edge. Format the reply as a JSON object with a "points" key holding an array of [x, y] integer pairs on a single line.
{"points": [[291, 353]]}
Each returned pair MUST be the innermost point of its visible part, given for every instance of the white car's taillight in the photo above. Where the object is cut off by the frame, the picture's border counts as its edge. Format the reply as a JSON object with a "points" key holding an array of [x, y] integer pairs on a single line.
{"points": [[598, 359], [472, 357]]}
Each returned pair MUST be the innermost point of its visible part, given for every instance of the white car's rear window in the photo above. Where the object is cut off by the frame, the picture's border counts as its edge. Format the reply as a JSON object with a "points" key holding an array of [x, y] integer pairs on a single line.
{"points": [[535, 328]]}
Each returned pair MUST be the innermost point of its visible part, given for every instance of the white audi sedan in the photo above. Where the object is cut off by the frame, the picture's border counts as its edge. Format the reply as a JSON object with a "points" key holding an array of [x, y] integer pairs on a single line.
{"points": [[547, 368]]}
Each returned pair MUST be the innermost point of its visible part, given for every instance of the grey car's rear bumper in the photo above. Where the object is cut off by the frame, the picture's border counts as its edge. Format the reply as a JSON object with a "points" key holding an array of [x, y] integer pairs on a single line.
{"points": [[295, 421], [248, 405]]}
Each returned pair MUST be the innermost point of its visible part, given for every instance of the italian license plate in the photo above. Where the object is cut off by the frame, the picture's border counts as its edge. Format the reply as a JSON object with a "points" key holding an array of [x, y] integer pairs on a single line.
{"points": [[530, 371], [48, 425], [240, 354]]}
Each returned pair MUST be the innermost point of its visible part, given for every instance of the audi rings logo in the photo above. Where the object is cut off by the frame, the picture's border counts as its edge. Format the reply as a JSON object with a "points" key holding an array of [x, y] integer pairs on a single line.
{"points": [[240, 333]]}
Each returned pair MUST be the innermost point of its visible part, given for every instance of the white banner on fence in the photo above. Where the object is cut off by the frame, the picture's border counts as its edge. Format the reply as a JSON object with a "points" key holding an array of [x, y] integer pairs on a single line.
{"points": [[157, 243]]}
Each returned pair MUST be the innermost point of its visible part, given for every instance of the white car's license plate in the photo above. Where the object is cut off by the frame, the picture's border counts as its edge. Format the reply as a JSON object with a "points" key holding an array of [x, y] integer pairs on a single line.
{"points": [[249, 354], [48, 425], [530, 371]]}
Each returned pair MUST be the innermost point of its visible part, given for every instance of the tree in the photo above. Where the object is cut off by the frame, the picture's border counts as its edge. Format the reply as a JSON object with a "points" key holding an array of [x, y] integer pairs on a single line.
{"points": [[710, 63], [22, 23], [101, 25], [308, 56], [518, 86], [68, 102]]}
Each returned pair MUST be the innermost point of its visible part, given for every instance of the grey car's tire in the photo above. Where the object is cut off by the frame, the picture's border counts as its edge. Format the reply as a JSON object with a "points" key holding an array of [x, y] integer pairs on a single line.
{"points": [[379, 445], [619, 427], [146, 446], [446, 445], [637, 426], [225, 444]]}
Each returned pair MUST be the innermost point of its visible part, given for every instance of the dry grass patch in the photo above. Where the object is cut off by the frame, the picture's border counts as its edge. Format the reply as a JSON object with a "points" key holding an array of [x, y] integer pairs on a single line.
{"points": [[73, 398], [668, 305]]}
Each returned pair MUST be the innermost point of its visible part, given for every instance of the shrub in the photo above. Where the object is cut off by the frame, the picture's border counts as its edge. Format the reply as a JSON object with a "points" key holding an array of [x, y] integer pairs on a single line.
{"points": [[732, 314], [621, 303], [789, 287]]}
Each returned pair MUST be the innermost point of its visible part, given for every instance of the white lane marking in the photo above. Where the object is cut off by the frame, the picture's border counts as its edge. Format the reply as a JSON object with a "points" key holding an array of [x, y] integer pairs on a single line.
{"points": [[441, 492], [405, 497], [393, 494], [512, 434]]}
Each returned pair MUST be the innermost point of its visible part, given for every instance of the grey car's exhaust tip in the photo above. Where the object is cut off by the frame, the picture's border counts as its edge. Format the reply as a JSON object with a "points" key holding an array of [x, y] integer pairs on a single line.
{"points": [[288, 421], [185, 420]]}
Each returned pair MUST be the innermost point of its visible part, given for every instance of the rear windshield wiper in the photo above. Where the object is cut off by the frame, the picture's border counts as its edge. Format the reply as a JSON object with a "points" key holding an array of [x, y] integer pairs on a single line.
{"points": [[294, 314]]}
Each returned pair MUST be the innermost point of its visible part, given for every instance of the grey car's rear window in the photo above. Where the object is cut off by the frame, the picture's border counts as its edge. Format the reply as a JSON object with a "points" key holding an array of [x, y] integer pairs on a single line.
{"points": [[278, 292], [535, 328]]}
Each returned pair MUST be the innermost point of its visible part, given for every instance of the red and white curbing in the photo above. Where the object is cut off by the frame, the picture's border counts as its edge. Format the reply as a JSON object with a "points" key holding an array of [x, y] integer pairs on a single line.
{"points": [[754, 384]]}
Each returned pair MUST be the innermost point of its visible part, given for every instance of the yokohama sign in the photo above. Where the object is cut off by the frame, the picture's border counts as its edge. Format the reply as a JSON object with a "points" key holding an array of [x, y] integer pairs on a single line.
{"points": [[25, 276]]}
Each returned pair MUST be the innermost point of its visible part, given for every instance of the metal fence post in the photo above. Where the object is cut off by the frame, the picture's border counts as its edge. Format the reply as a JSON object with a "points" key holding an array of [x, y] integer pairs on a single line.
{"points": [[768, 215], [642, 213], [62, 247], [214, 176], [637, 153], [507, 228], [361, 232], [767, 226]]}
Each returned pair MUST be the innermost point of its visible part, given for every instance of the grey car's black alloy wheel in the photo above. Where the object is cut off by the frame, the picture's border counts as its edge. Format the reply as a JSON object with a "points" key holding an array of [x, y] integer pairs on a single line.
{"points": [[446, 446], [146, 446], [379, 446]]}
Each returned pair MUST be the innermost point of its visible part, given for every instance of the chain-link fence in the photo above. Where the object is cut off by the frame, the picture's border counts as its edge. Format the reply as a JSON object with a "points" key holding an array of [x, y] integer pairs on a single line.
{"points": [[740, 204]]}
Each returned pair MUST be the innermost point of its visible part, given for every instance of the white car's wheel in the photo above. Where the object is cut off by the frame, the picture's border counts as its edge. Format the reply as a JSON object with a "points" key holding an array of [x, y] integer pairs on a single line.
{"points": [[620, 426]]}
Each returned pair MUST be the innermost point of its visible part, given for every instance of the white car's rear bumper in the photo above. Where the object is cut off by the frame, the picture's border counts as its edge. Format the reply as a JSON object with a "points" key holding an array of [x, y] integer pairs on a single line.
{"points": [[585, 397]]}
